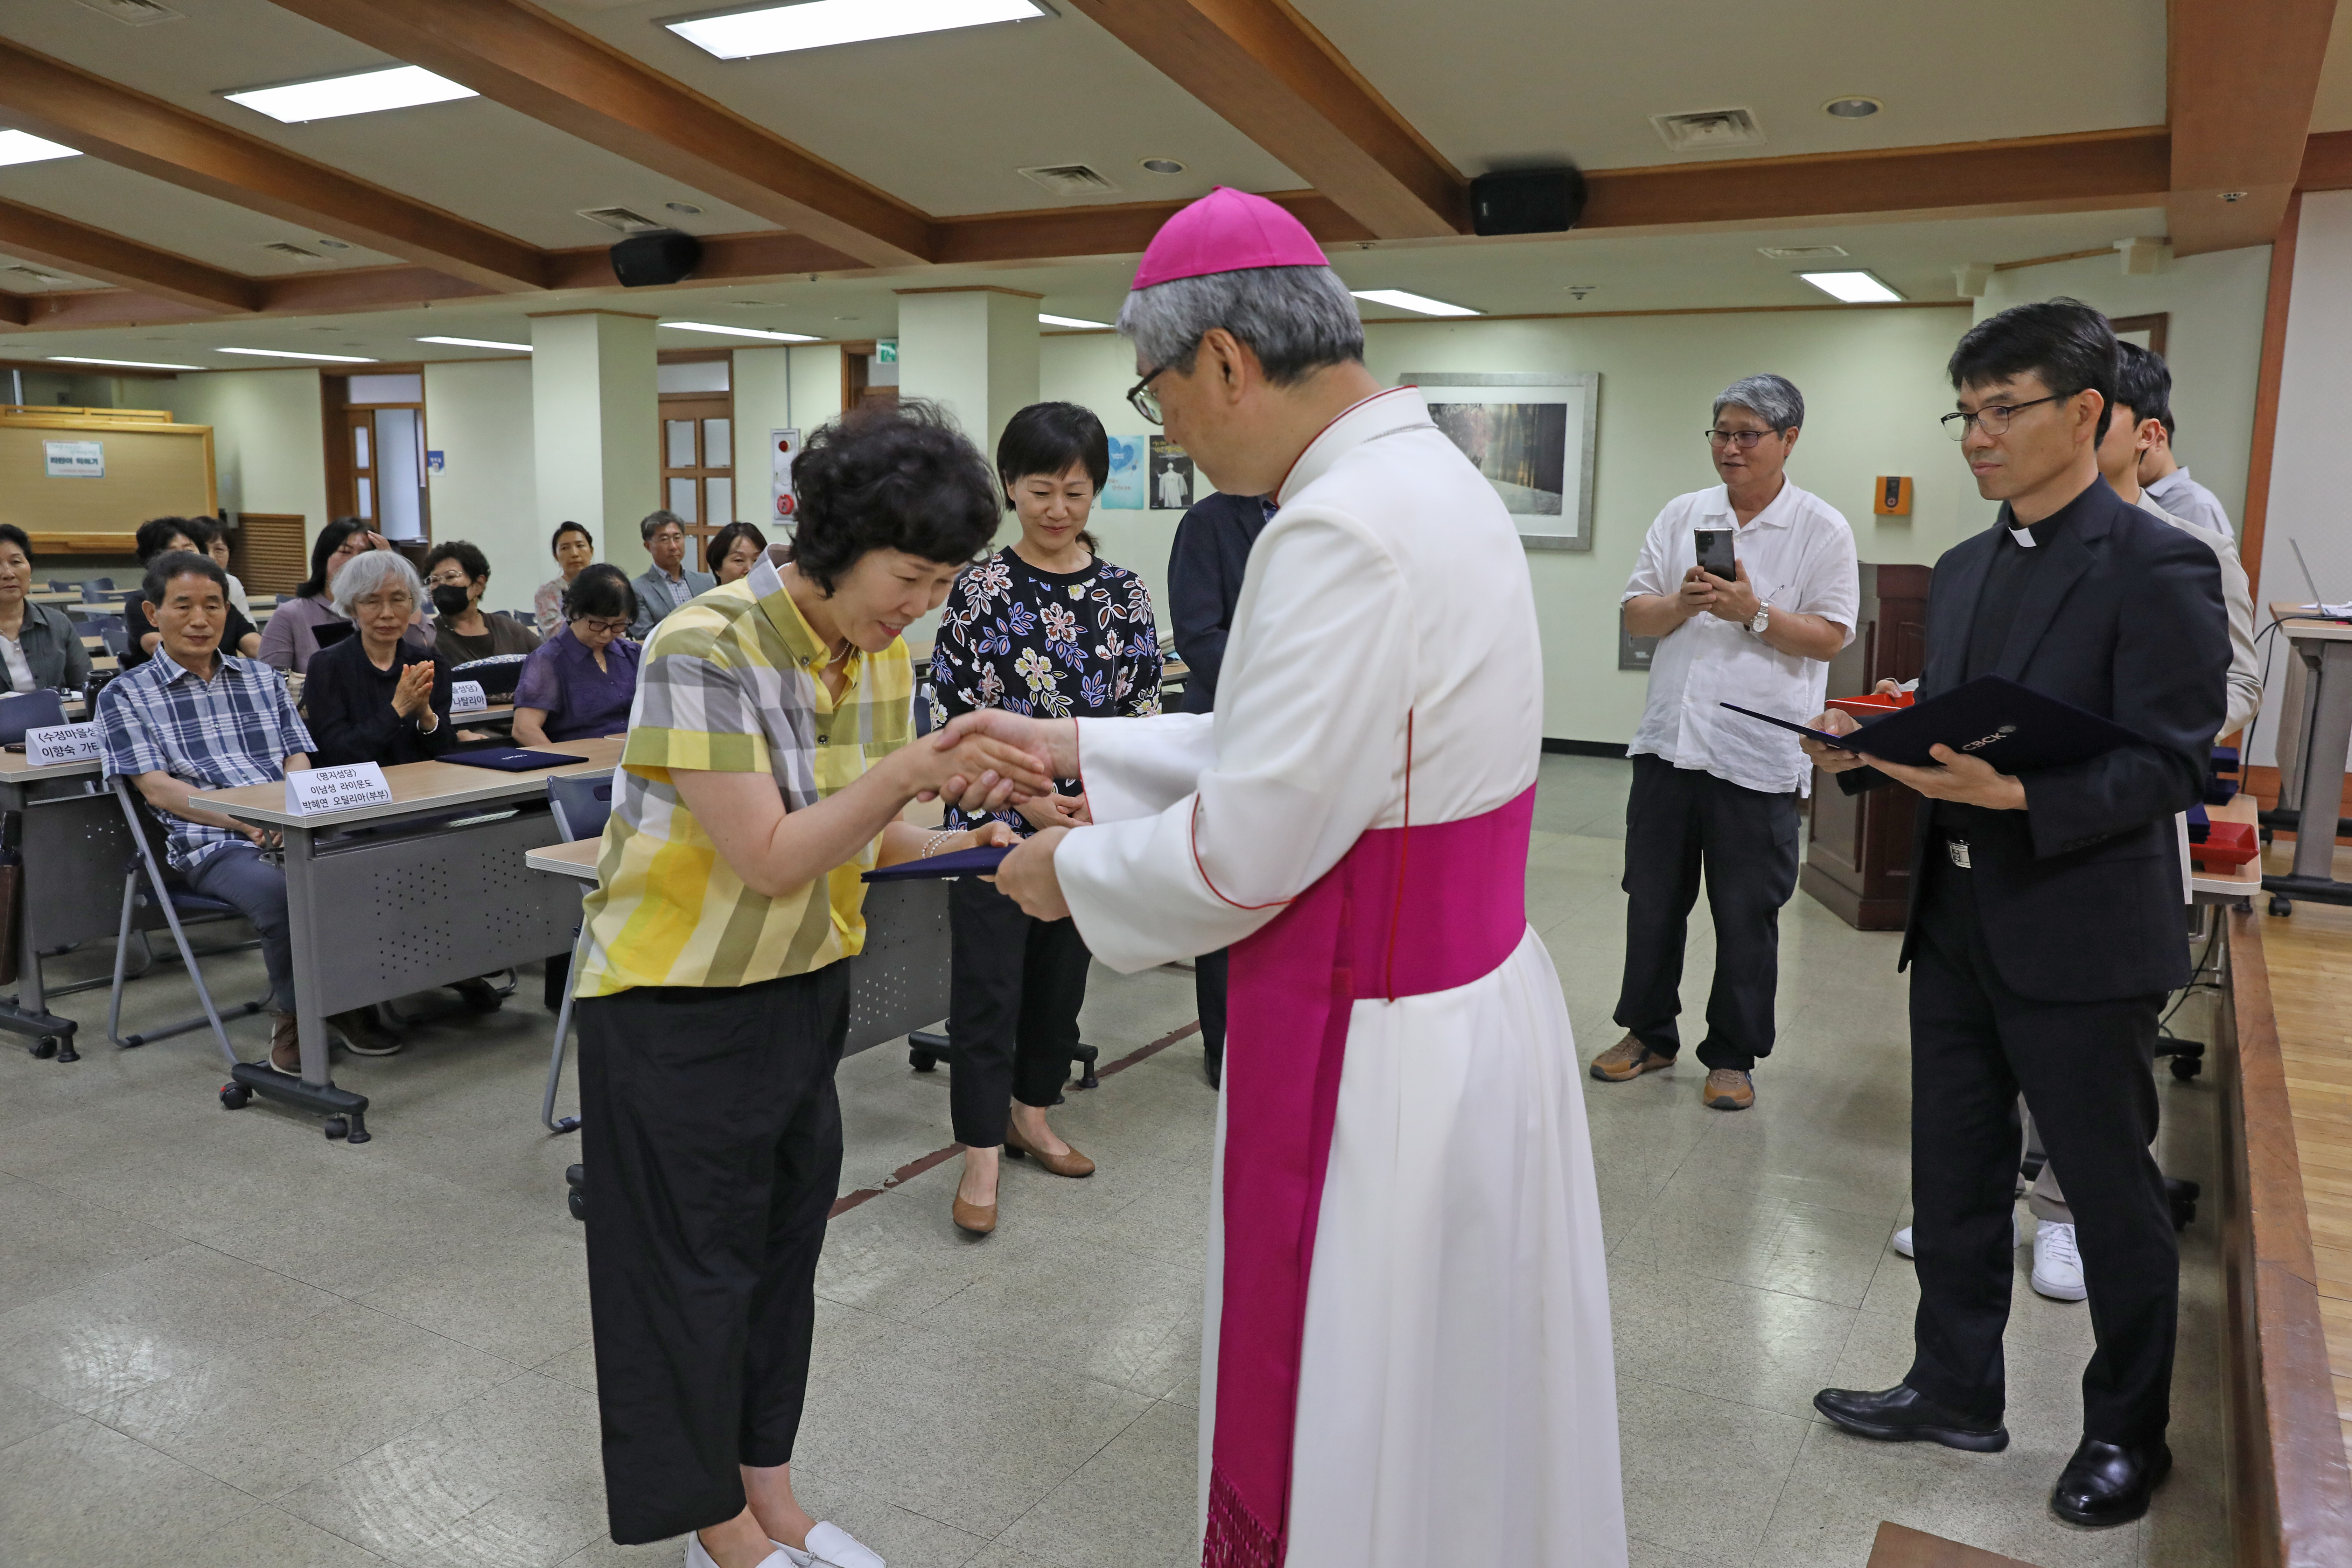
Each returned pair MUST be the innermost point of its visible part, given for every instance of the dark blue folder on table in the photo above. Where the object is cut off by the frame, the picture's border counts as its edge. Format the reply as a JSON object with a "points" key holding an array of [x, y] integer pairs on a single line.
{"points": [[977, 862], [2014, 728], [509, 759]]}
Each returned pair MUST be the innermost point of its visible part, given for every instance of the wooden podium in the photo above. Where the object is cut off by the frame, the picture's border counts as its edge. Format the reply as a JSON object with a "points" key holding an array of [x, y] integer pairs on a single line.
{"points": [[1858, 850]]}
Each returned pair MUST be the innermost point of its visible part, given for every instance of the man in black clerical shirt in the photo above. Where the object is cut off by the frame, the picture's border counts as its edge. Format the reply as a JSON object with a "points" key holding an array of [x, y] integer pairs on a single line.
{"points": [[2046, 921], [1205, 565]]}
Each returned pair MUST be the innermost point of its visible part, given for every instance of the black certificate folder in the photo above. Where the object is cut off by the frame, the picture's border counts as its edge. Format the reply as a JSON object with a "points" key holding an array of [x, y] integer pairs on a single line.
{"points": [[2014, 728]]}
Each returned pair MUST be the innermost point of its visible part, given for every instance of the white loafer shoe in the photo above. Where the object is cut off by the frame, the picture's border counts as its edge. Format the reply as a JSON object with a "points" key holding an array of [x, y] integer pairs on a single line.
{"points": [[696, 1557], [2016, 1238], [830, 1546]]}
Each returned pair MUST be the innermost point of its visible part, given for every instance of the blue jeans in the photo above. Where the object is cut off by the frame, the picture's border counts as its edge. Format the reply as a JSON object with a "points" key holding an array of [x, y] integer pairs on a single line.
{"points": [[236, 875]]}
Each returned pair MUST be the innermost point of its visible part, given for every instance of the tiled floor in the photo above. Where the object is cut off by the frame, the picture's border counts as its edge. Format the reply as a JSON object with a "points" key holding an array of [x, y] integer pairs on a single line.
{"points": [[225, 1342]]}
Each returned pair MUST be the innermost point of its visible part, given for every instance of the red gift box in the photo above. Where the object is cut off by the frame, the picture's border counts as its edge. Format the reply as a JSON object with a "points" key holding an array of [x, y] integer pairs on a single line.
{"points": [[2227, 844]]}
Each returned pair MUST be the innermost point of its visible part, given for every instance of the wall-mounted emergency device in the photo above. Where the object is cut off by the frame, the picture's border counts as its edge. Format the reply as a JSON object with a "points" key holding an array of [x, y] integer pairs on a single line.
{"points": [[1893, 496]]}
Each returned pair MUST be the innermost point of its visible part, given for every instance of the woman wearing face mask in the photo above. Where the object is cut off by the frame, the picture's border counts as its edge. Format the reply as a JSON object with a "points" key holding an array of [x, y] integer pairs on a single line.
{"points": [[1044, 627], [734, 550], [456, 573]]}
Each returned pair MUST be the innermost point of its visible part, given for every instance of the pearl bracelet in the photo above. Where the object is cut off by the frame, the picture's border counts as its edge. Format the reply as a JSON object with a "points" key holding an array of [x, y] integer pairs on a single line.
{"points": [[931, 847]]}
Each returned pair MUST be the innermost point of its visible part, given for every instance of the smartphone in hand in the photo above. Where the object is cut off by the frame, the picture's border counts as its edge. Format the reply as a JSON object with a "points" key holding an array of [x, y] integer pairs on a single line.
{"points": [[1714, 553]]}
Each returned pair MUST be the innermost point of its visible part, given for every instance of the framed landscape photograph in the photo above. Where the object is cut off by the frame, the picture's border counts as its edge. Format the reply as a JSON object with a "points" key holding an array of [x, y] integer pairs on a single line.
{"points": [[1531, 436]]}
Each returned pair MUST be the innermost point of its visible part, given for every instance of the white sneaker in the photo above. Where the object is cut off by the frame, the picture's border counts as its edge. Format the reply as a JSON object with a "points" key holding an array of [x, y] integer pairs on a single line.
{"points": [[2016, 1238], [696, 1557], [2057, 1267], [830, 1546]]}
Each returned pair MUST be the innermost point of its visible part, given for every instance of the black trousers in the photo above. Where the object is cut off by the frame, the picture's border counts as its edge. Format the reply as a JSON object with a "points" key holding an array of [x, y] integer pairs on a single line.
{"points": [[2084, 1068], [1014, 993], [712, 1142], [1679, 823], [1211, 974]]}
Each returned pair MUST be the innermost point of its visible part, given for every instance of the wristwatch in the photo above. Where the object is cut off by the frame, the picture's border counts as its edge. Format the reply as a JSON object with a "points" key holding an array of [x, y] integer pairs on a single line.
{"points": [[1763, 617]]}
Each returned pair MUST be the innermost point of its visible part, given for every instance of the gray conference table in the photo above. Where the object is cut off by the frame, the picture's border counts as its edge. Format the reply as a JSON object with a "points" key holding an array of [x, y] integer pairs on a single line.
{"points": [[430, 889], [76, 850]]}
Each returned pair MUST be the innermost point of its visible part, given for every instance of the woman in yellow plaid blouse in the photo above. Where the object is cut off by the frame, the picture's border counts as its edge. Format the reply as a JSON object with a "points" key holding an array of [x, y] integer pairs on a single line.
{"points": [[770, 754]]}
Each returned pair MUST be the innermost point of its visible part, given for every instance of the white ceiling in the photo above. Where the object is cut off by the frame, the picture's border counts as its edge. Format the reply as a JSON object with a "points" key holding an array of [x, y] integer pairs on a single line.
{"points": [[186, 223]]}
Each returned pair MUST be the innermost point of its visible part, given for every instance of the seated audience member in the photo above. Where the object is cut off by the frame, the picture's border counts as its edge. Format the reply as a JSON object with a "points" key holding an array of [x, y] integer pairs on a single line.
{"points": [[159, 536], [292, 635], [192, 719], [669, 582], [456, 575], [574, 549], [217, 548], [579, 683], [734, 550], [376, 697], [39, 645]]}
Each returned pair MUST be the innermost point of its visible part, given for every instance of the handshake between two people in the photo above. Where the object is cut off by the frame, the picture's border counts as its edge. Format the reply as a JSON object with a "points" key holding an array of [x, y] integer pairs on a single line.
{"points": [[1970, 781], [989, 760]]}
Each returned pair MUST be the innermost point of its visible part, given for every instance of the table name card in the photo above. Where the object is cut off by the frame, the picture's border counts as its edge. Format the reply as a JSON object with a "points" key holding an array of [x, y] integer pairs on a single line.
{"points": [[466, 696], [55, 745], [314, 792]]}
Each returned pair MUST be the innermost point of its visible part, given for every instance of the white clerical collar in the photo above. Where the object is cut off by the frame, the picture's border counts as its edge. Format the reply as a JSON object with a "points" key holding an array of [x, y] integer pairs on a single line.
{"points": [[1381, 413], [2024, 537]]}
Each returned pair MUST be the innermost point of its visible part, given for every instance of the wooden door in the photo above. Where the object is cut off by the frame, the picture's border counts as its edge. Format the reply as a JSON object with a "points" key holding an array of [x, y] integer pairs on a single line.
{"points": [[359, 456], [697, 466]]}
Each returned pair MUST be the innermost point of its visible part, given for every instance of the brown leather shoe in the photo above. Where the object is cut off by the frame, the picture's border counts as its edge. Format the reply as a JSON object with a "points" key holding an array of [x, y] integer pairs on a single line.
{"points": [[363, 1034], [1728, 1089], [1628, 1059], [1070, 1165], [980, 1219], [284, 1045]]}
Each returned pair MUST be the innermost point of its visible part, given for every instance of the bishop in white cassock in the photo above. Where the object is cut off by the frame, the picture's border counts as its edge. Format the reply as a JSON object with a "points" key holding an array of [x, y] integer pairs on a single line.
{"points": [[1407, 1354]]}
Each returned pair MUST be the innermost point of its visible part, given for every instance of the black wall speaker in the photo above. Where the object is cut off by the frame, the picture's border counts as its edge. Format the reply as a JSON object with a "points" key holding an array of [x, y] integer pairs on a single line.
{"points": [[665, 256], [1527, 201]]}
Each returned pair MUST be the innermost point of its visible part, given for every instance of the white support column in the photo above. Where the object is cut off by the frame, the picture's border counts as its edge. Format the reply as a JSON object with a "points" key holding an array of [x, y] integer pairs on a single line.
{"points": [[595, 425], [971, 351]]}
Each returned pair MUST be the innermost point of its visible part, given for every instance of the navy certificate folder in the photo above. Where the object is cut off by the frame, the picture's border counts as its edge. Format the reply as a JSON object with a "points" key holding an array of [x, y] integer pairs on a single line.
{"points": [[509, 759], [2014, 728], [977, 862]]}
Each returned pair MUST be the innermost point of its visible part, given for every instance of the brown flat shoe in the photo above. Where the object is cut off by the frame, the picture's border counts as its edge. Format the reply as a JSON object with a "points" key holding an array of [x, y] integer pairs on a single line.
{"points": [[978, 1219], [1070, 1165], [1728, 1089], [1628, 1059], [284, 1045]]}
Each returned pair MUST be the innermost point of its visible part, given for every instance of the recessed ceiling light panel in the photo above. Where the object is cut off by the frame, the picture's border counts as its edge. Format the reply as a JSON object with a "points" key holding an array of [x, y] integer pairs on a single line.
{"points": [[367, 92], [1851, 108], [478, 344], [120, 363], [1077, 321], [821, 23], [24, 147], [1403, 301], [1852, 287], [290, 353], [740, 332]]}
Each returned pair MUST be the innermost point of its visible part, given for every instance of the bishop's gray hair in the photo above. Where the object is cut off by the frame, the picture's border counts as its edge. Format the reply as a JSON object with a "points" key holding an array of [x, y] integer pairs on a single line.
{"points": [[1774, 399], [1296, 320]]}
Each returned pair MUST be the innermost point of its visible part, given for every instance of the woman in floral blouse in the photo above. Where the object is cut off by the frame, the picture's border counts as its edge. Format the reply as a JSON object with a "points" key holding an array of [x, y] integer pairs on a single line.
{"points": [[1043, 626]]}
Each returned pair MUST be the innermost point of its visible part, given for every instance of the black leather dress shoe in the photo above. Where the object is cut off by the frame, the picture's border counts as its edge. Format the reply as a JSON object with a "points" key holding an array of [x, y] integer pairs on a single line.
{"points": [[1903, 1415], [2104, 1484]]}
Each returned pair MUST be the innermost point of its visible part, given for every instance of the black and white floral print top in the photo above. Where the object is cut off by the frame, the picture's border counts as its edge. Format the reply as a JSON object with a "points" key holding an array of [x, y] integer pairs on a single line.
{"points": [[1052, 644]]}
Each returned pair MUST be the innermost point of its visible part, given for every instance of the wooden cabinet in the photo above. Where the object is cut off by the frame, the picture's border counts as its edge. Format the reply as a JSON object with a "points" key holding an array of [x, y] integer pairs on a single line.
{"points": [[1858, 849]]}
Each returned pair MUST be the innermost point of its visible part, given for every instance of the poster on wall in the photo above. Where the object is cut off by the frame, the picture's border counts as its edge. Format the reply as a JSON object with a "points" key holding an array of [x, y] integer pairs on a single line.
{"points": [[1172, 476], [1124, 488], [74, 459], [783, 445], [1532, 437]]}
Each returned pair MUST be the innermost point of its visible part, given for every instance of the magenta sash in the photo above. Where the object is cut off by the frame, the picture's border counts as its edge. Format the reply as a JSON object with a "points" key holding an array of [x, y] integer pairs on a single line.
{"points": [[1407, 911]]}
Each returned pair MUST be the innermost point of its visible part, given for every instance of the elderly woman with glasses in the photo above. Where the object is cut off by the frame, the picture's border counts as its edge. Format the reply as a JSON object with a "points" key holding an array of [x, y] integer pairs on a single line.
{"points": [[579, 683]]}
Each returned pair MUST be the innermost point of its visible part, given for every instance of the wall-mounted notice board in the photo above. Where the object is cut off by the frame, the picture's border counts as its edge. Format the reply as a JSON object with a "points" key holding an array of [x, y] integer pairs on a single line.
{"points": [[73, 500]]}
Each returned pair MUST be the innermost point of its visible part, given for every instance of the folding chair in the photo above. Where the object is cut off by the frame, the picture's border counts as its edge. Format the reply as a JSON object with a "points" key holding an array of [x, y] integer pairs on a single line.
{"points": [[579, 806], [180, 908]]}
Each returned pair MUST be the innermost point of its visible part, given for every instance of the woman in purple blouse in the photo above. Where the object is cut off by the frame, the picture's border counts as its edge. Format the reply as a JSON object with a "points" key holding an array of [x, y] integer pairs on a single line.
{"points": [[579, 683]]}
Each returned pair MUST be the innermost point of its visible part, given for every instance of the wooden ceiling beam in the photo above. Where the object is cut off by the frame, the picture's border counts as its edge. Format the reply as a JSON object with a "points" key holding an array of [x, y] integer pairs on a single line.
{"points": [[2327, 162], [64, 104], [13, 311], [521, 57], [2242, 81], [1266, 71], [76, 248]]}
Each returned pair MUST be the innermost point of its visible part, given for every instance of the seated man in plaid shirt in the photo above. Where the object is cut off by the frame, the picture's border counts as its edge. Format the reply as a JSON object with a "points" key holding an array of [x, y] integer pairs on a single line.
{"points": [[193, 718]]}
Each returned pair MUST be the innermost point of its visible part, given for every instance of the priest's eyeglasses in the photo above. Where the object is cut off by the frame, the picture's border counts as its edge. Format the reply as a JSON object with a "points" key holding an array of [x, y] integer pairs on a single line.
{"points": [[1144, 400], [1744, 439], [1992, 419]]}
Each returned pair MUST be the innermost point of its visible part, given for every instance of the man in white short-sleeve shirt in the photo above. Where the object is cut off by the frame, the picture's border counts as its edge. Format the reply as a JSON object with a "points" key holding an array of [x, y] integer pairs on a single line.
{"points": [[1714, 791]]}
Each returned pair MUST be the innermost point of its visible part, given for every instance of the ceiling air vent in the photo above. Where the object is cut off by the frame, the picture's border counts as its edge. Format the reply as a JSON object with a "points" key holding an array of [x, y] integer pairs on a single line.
{"points": [[623, 219], [1070, 180], [295, 252], [1709, 129], [133, 12], [36, 274], [1801, 252]]}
